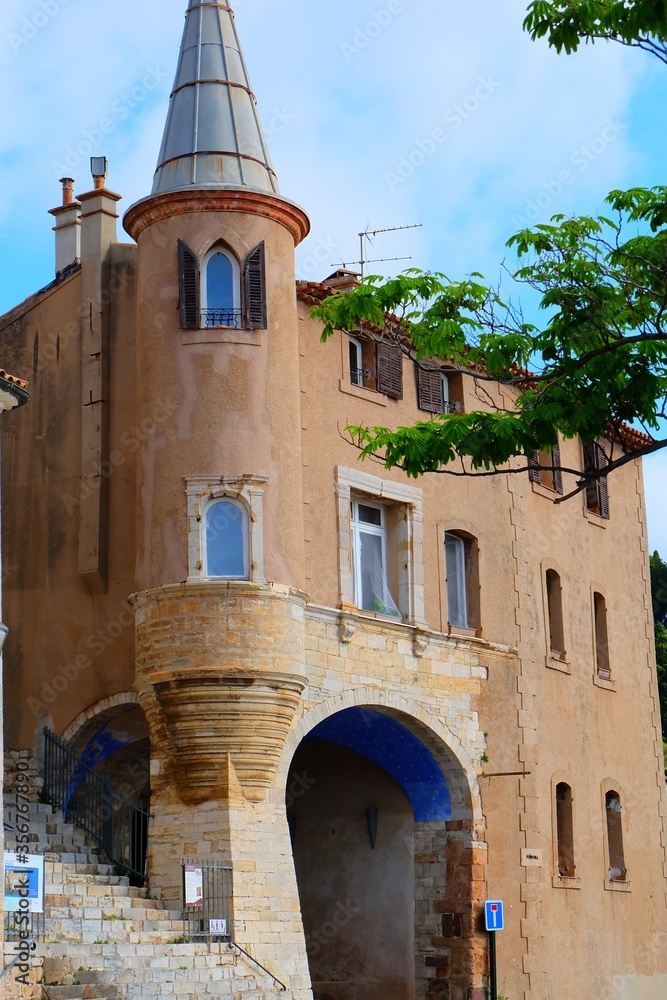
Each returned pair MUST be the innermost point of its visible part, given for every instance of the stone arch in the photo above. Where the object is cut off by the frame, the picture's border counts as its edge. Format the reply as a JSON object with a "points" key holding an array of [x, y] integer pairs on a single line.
{"points": [[96, 709], [438, 859], [448, 750]]}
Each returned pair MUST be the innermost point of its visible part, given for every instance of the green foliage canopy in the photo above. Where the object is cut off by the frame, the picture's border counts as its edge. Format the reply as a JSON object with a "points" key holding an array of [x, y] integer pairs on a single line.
{"points": [[639, 24]]}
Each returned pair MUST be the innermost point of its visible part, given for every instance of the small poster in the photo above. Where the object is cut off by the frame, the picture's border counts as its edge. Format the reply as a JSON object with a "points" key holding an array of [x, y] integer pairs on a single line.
{"points": [[194, 886], [217, 928], [24, 882]]}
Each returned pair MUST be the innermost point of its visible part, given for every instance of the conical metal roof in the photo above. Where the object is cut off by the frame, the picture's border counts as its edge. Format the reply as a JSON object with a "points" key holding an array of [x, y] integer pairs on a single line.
{"points": [[213, 136]]}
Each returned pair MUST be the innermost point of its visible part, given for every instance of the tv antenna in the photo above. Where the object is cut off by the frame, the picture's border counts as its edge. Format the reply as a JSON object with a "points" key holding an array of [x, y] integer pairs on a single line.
{"points": [[368, 234]]}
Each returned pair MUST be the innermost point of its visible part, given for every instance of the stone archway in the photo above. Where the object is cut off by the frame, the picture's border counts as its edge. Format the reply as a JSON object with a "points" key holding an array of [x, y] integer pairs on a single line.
{"points": [[112, 739], [388, 855]]}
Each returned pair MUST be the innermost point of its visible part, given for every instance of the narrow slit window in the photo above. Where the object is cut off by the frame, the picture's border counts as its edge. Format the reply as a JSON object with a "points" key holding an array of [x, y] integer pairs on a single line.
{"points": [[617, 869], [601, 638], [565, 830], [555, 612], [226, 548]]}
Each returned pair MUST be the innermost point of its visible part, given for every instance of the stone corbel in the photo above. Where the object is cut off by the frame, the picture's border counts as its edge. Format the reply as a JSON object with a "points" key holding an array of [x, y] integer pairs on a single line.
{"points": [[346, 629], [419, 644]]}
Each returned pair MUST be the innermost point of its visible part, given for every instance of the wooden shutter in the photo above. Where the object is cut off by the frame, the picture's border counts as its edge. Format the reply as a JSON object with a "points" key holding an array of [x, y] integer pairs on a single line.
{"points": [[255, 289], [188, 287], [603, 490], [389, 359], [534, 467], [557, 471], [429, 390]]}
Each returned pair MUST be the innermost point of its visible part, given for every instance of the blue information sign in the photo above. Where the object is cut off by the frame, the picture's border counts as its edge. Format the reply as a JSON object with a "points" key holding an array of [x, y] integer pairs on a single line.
{"points": [[493, 915]]}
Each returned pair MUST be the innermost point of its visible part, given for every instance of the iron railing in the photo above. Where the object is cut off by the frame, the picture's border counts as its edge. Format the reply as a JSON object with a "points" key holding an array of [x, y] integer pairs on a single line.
{"points": [[87, 798], [207, 901], [221, 317], [359, 375]]}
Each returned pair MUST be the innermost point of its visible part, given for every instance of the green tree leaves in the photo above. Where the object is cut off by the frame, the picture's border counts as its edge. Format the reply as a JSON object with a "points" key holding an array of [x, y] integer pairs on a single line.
{"points": [[566, 23]]}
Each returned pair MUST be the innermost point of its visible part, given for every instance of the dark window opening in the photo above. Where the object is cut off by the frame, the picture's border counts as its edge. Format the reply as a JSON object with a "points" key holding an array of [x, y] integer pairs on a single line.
{"points": [[597, 493], [601, 639], [555, 611], [565, 830], [617, 869]]}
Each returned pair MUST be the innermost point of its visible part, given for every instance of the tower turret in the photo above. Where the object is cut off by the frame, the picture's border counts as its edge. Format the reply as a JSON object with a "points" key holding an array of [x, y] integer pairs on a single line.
{"points": [[220, 540]]}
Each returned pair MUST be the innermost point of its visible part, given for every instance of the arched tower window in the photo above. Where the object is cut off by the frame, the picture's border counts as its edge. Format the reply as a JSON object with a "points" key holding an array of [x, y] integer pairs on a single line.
{"points": [[565, 830], [615, 856], [221, 289], [226, 545]]}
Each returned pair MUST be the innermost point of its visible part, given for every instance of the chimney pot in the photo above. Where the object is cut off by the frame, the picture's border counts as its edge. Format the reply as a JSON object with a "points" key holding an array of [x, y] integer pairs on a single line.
{"points": [[68, 190]]}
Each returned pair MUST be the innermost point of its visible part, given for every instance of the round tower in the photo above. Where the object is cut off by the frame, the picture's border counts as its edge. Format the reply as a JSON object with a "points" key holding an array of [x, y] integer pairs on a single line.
{"points": [[220, 547], [217, 344]]}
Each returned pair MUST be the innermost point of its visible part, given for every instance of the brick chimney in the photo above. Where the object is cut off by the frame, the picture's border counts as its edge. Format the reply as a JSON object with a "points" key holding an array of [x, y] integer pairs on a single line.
{"points": [[67, 227]]}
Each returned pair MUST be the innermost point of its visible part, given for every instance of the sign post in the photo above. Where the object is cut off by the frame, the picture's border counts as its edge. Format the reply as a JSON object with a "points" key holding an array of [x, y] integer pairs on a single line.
{"points": [[494, 919]]}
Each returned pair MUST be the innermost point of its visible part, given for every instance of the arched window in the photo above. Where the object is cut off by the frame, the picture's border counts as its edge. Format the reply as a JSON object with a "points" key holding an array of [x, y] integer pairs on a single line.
{"points": [[461, 565], [226, 544], [221, 289], [565, 830], [601, 639], [617, 869], [555, 612]]}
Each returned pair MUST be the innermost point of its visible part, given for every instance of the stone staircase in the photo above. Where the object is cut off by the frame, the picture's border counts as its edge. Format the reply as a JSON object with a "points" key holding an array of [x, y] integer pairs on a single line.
{"points": [[107, 939]]}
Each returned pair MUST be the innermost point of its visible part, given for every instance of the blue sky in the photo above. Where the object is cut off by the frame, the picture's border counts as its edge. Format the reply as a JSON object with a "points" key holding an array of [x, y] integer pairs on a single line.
{"points": [[378, 112]]}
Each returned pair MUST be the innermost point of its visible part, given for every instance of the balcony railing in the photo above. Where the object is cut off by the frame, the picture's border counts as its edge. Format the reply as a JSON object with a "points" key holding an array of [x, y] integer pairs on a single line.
{"points": [[85, 797], [221, 317]]}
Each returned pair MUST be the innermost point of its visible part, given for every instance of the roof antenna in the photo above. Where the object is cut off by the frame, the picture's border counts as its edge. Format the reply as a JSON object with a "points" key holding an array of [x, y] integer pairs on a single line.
{"points": [[367, 235]]}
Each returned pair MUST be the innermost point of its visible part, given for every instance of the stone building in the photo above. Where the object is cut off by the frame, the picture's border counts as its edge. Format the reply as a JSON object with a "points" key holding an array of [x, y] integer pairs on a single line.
{"points": [[376, 701]]}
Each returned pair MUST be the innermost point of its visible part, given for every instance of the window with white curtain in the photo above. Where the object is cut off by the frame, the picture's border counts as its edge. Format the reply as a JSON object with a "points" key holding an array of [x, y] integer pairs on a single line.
{"points": [[369, 559], [455, 562]]}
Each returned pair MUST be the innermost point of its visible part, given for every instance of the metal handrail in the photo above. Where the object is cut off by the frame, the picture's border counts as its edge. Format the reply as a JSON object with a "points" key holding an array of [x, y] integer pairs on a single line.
{"points": [[221, 317], [233, 944], [87, 798]]}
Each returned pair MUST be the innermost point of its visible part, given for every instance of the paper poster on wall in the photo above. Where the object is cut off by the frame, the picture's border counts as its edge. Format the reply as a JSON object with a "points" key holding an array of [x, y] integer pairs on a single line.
{"points": [[24, 882], [194, 886]]}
